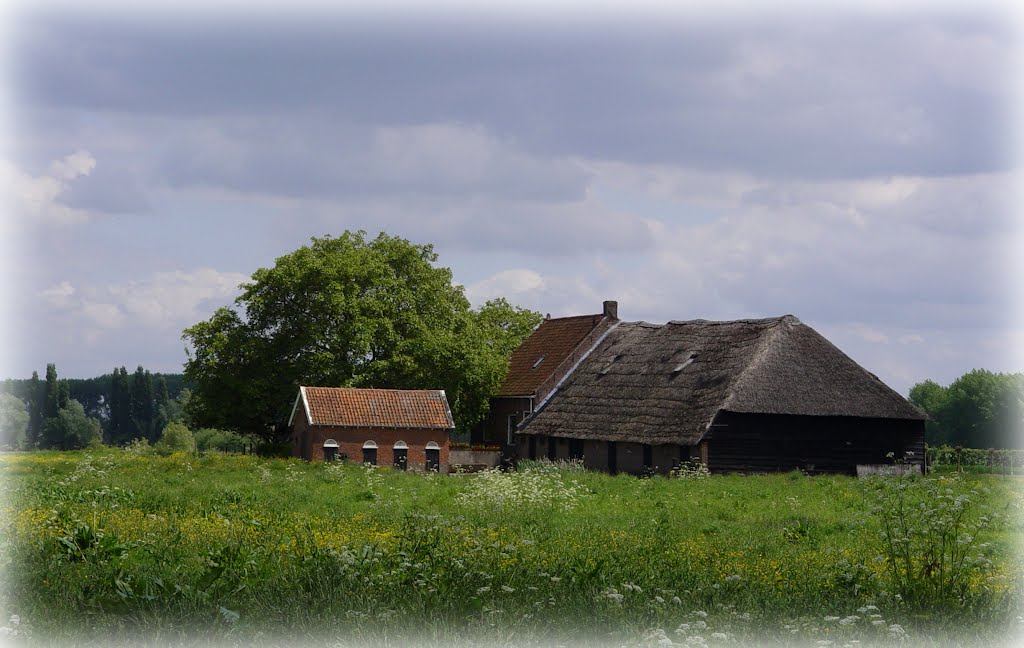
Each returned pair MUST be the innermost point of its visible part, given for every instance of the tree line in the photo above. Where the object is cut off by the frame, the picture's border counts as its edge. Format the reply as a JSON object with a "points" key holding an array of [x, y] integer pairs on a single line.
{"points": [[980, 409], [64, 414]]}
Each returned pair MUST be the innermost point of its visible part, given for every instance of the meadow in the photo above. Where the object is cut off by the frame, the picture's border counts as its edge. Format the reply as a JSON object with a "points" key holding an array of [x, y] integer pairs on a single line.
{"points": [[111, 546]]}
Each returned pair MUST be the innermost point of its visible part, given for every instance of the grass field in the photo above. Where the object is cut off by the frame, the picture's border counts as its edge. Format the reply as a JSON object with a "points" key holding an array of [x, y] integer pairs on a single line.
{"points": [[111, 546]]}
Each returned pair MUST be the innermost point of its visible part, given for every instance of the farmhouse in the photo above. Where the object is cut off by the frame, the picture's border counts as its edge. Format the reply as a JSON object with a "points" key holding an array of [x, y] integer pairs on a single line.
{"points": [[535, 368], [759, 395], [408, 429]]}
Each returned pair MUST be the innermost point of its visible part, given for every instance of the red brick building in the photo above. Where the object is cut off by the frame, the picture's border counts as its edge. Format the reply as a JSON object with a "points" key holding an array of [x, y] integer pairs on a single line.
{"points": [[536, 367], [408, 429]]}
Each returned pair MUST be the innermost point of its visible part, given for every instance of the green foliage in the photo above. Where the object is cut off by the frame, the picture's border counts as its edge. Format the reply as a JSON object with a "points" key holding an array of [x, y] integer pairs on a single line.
{"points": [[36, 402], [980, 409], [929, 533], [141, 405], [71, 429], [237, 549], [219, 440], [176, 437], [51, 398], [13, 421], [348, 311]]}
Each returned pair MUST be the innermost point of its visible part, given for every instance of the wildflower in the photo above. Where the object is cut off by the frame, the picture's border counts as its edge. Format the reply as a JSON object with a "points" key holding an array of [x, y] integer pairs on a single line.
{"points": [[676, 600], [896, 631], [850, 620], [732, 579], [701, 613], [831, 618], [721, 636], [878, 622], [659, 599], [506, 588], [483, 590], [555, 579], [696, 640]]}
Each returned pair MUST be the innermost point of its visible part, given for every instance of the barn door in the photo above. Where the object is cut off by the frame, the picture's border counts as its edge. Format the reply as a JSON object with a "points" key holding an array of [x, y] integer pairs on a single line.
{"points": [[370, 453], [613, 459], [401, 455], [433, 452]]}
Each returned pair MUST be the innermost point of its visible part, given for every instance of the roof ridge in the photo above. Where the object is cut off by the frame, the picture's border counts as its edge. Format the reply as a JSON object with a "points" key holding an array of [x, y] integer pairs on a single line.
{"points": [[569, 317]]}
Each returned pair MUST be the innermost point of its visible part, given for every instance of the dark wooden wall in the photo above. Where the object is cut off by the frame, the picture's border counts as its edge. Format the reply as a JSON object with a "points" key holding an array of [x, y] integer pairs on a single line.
{"points": [[752, 443]]}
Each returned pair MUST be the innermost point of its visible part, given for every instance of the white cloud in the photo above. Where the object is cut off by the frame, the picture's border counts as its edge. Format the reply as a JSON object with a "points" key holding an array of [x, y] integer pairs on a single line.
{"points": [[162, 304], [507, 283], [59, 295], [37, 198], [869, 334]]}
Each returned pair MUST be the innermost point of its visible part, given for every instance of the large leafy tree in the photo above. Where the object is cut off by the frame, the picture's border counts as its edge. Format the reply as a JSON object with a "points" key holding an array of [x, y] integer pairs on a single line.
{"points": [[13, 421], [980, 409], [348, 311]]}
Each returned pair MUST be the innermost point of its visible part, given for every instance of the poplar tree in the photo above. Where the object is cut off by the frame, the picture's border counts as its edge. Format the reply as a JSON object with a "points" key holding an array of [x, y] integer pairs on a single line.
{"points": [[36, 400], [51, 399], [142, 403]]}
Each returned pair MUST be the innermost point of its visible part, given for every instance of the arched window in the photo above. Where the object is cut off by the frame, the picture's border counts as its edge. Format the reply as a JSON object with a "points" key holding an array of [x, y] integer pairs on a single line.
{"points": [[330, 450], [370, 453], [401, 454], [433, 456]]}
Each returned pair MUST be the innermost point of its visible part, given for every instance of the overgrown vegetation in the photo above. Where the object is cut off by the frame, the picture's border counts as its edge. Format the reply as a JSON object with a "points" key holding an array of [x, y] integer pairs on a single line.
{"points": [[108, 545]]}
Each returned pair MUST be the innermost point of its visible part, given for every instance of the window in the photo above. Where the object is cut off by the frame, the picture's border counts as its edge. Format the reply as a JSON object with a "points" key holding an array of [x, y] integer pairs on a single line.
{"points": [[537, 364], [511, 429], [370, 453], [401, 455]]}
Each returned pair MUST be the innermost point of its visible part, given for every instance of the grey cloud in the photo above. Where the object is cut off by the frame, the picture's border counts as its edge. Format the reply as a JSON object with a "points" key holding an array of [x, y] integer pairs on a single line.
{"points": [[832, 95], [313, 157]]}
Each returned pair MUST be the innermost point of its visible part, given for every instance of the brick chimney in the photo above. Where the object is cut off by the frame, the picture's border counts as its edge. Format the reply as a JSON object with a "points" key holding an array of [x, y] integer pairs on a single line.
{"points": [[611, 309]]}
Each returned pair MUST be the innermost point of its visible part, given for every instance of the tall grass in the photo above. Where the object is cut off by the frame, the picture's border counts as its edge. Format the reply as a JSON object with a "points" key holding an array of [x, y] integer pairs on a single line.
{"points": [[113, 545]]}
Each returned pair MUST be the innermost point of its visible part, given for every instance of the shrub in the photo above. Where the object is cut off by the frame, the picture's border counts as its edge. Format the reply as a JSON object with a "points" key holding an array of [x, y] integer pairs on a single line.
{"points": [[929, 532], [176, 438], [208, 439]]}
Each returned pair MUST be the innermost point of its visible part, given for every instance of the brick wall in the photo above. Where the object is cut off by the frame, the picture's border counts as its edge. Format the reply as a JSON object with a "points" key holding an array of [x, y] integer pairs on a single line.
{"points": [[308, 443]]}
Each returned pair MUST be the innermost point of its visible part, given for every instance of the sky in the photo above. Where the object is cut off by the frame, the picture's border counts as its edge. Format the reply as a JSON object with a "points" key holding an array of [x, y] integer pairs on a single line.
{"points": [[858, 168]]}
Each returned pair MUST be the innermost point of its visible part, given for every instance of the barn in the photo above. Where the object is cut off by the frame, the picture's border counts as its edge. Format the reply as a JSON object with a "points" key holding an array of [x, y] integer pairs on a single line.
{"points": [[408, 429], [746, 396]]}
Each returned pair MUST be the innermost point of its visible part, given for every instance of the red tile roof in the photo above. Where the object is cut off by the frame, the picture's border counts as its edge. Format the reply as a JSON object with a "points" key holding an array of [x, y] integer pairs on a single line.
{"points": [[389, 408], [554, 339]]}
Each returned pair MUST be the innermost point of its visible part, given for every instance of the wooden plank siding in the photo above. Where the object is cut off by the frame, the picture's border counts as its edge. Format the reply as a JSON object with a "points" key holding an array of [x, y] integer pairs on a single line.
{"points": [[755, 443]]}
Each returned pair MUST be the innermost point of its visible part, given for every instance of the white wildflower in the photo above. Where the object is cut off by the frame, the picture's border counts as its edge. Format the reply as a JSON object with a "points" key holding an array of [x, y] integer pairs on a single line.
{"points": [[831, 618], [676, 600], [506, 588], [659, 599], [896, 631], [701, 613], [696, 640], [732, 579], [721, 636], [878, 622]]}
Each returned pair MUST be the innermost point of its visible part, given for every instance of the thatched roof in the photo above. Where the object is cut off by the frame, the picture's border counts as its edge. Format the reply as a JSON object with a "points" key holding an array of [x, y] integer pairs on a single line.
{"points": [[651, 383]]}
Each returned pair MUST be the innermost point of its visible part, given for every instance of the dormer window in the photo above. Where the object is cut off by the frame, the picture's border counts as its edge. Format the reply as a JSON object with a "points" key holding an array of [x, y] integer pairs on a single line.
{"points": [[537, 364], [608, 366], [682, 365]]}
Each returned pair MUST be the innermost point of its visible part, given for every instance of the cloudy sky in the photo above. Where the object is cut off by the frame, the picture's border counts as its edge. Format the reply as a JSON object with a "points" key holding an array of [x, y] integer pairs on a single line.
{"points": [[858, 169]]}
